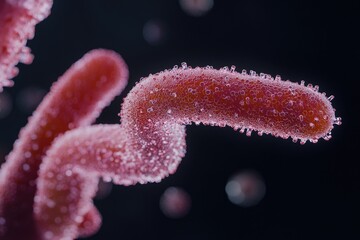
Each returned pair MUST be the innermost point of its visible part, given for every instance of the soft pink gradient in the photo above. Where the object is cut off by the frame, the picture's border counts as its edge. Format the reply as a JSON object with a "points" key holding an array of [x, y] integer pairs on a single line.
{"points": [[17, 24]]}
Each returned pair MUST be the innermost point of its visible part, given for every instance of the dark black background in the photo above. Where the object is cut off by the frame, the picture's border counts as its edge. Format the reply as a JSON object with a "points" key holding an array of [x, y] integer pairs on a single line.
{"points": [[312, 190]]}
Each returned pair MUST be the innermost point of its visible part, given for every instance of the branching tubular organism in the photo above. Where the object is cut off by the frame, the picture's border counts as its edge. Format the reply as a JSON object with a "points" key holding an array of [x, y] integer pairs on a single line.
{"points": [[149, 143], [49, 179], [75, 100], [17, 24]]}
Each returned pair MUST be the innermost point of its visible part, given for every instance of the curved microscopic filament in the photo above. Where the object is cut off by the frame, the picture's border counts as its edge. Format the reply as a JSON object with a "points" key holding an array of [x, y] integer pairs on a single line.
{"points": [[17, 24], [149, 143], [75, 100]]}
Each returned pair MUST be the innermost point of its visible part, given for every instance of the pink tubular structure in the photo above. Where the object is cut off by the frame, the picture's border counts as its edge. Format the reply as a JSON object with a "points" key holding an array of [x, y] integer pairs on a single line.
{"points": [[75, 100], [149, 143], [49, 179], [17, 24]]}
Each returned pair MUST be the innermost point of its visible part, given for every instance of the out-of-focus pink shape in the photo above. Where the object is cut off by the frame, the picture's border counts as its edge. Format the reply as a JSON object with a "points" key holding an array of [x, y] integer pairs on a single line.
{"points": [[245, 188], [75, 100], [28, 99], [6, 104], [90, 223], [150, 142], [17, 24], [196, 8], [175, 202], [154, 32]]}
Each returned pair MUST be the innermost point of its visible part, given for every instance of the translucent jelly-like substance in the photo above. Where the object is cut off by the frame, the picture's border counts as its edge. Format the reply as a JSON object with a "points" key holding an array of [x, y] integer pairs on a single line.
{"points": [[17, 24], [150, 142], [75, 100]]}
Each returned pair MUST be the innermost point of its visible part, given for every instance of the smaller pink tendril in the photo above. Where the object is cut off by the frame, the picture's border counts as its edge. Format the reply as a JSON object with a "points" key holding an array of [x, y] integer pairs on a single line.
{"points": [[17, 24], [149, 143], [75, 100]]}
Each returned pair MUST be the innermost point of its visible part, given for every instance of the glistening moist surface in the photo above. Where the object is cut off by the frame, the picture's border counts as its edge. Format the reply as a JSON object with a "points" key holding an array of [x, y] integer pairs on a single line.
{"points": [[149, 143], [76, 99], [17, 24], [225, 97]]}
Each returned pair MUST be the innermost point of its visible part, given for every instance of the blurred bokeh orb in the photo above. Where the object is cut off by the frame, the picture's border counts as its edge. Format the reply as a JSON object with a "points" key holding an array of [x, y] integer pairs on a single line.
{"points": [[154, 32], [5, 105], [245, 189], [175, 202], [29, 98], [196, 8]]}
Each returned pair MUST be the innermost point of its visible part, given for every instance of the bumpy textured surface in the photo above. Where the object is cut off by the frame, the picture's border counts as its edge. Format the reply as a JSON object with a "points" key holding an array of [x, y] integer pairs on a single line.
{"points": [[75, 100], [150, 142], [225, 97], [17, 24]]}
